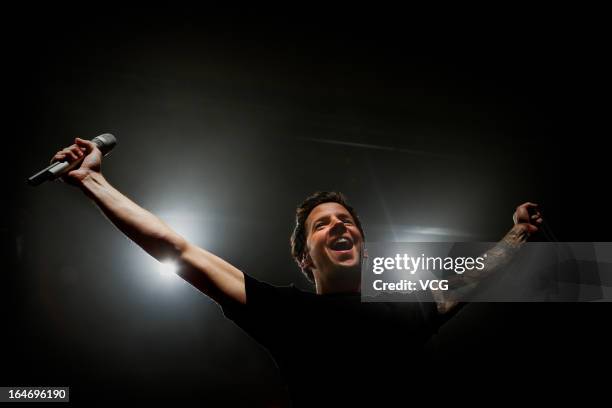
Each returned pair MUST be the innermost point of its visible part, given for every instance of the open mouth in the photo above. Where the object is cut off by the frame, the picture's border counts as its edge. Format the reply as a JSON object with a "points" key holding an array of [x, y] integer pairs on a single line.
{"points": [[342, 244]]}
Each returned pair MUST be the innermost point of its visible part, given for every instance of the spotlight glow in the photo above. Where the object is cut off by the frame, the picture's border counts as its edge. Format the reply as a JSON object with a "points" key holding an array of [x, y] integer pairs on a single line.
{"points": [[167, 268]]}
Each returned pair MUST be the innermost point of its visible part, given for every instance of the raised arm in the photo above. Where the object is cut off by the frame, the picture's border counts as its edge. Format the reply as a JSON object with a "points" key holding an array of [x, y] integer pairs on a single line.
{"points": [[527, 219], [207, 272]]}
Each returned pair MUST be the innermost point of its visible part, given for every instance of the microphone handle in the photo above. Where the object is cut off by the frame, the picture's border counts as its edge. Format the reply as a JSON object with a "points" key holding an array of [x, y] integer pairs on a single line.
{"points": [[53, 171]]}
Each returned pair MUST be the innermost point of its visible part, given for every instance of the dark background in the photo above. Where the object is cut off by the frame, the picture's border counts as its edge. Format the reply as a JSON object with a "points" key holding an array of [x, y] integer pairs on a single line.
{"points": [[224, 124]]}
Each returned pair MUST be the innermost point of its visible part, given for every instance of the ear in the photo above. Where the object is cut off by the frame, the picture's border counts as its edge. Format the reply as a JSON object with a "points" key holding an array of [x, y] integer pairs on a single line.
{"points": [[305, 262], [364, 251]]}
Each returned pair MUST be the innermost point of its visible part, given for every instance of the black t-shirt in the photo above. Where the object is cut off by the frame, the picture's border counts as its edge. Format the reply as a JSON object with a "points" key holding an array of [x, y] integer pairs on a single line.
{"points": [[335, 347]]}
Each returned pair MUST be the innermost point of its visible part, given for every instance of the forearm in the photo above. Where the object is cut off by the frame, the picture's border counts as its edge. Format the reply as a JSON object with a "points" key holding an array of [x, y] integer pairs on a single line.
{"points": [[497, 258], [205, 271], [138, 224]]}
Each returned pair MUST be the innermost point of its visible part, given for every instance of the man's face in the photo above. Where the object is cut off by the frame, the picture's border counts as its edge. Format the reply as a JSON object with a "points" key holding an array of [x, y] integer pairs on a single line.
{"points": [[333, 240]]}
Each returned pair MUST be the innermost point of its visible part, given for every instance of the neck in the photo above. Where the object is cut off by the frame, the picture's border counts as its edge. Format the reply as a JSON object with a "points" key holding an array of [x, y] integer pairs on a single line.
{"points": [[344, 284]]}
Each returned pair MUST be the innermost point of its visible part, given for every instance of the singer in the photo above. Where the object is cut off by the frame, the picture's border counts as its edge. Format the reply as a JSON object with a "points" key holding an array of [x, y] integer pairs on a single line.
{"points": [[327, 345]]}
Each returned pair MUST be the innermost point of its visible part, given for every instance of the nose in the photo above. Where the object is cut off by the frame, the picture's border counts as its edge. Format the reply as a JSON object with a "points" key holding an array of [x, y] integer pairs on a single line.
{"points": [[338, 227]]}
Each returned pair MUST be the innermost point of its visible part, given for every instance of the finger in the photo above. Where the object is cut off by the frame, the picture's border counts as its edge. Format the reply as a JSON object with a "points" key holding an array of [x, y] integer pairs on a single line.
{"points": [[58, 157], [86, 144], [527, 205], [77, 150], [70, 154]]}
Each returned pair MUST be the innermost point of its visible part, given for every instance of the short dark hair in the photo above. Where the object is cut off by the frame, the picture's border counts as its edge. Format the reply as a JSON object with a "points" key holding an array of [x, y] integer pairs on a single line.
{"points": [[298, 237]]}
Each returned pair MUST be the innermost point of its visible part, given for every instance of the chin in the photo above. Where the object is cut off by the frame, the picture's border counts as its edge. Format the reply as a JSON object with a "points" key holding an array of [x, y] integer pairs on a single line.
{"points": [[349, 264]]}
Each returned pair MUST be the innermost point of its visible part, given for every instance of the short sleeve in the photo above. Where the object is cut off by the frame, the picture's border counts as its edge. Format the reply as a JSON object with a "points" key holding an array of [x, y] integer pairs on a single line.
{"points": [[266, 316]]}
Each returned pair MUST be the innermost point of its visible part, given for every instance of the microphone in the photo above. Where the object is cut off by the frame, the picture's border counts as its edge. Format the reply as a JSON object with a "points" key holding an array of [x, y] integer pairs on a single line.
{"points": [[105, 143]]}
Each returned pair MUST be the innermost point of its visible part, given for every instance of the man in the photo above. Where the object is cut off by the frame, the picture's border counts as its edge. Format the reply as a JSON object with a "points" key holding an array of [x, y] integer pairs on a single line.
{"points": [[329, 346]]}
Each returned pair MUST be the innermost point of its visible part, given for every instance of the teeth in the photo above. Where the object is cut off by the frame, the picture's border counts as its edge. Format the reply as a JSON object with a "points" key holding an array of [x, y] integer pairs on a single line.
{"points": [[343, 241]]}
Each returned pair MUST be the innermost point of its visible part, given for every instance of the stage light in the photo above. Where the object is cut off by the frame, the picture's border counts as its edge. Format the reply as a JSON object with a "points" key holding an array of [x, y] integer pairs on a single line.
{"points": [[167, 268]]}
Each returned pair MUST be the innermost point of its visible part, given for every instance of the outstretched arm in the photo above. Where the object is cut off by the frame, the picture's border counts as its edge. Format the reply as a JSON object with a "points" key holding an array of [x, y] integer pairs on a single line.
{"points": [[527, 218], [207, 272]]}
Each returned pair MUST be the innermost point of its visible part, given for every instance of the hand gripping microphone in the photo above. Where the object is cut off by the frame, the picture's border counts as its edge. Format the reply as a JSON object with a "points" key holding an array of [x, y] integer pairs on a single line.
{"points": [[105, 143]]}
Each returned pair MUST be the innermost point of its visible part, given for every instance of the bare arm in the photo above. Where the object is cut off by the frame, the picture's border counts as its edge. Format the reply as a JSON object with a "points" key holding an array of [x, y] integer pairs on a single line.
{"points": [[498, 257], [207, 272]]}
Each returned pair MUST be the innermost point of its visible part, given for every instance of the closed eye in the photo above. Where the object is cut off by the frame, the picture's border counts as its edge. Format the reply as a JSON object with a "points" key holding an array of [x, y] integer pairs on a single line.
{"points": [[347, 221]]}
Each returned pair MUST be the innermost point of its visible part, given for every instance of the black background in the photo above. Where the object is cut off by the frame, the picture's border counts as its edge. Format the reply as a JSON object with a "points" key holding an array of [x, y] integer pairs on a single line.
{"points": [[471, 116]]}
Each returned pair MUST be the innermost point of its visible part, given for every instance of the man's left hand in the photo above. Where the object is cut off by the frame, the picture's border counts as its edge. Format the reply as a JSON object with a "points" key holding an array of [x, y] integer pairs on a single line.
{"points": [[530, 215]]}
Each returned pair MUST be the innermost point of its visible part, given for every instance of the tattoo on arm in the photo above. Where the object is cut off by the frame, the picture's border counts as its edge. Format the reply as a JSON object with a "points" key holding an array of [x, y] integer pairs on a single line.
{"points": [[498, 258]]}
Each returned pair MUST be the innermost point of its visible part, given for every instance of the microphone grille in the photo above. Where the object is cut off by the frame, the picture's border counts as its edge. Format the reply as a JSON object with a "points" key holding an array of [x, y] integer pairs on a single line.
{"points": [[105, 142]]}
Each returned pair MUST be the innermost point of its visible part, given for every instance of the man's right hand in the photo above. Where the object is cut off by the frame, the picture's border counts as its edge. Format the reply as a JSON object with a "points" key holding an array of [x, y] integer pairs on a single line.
{"points": [[90, 164]]}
